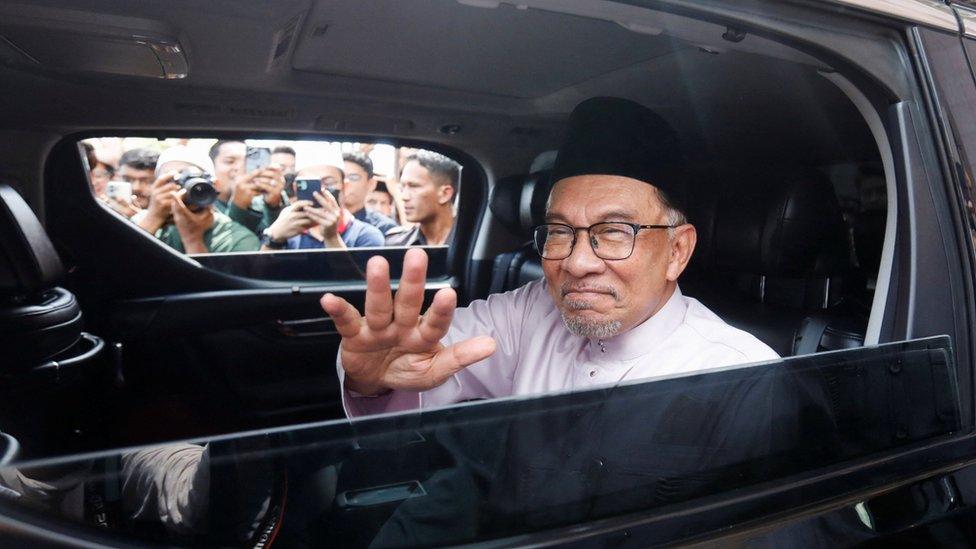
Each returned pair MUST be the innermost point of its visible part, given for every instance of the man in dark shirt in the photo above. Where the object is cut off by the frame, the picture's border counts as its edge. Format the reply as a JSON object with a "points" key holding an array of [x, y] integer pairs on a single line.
{"points": [[322, 224], [356, 187], [428, 185]]}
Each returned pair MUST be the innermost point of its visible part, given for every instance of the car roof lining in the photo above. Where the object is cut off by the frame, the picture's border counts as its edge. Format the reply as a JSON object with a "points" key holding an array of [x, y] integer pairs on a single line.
{"points": [[719, 94]]}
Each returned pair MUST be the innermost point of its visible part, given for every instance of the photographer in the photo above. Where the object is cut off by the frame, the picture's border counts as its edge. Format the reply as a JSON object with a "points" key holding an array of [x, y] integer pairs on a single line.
{"points": [[184, 221], [320, 222]]}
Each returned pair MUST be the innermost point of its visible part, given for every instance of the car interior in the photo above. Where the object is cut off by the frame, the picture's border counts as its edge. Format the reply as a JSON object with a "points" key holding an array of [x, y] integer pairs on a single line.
{"points": [[789, 188], [822, 229]]}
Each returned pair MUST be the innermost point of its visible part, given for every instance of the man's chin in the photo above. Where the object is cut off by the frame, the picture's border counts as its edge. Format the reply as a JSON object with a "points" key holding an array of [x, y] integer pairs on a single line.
{"points": [[590, 324]]}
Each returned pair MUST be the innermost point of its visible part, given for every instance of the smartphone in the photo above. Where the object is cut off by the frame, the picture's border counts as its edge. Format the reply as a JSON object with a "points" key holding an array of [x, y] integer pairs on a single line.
{"points": [[119, 190], [257, 158], [305, 189]]}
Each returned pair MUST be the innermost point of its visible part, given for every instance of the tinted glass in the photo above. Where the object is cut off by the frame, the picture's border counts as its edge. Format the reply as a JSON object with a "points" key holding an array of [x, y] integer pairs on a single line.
{"points": [[488, 470]]}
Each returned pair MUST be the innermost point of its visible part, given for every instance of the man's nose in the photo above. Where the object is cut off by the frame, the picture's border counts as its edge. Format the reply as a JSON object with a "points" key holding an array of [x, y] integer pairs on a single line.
{"points": [[582, 260]]}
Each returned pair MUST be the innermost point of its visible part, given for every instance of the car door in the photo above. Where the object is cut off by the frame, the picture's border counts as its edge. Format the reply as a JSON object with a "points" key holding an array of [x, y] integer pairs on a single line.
{"points": [[216, 343]]}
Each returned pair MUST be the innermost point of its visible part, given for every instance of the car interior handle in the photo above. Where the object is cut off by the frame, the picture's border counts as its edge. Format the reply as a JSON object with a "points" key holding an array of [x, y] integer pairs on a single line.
{"points": [[380, 495], [307, 327], [54, 368]]}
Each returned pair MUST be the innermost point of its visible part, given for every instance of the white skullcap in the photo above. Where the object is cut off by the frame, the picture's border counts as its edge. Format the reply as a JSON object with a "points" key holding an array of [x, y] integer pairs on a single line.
{"points": [[182, 153], [326, 156]]}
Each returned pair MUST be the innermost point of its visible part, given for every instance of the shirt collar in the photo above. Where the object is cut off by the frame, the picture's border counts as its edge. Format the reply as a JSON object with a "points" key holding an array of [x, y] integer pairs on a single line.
{"points": [[643, 338]]}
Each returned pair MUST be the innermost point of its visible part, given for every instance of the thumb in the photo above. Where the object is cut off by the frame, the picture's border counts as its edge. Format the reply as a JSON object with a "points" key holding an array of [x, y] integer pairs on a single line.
{"points": [[455, 358]]}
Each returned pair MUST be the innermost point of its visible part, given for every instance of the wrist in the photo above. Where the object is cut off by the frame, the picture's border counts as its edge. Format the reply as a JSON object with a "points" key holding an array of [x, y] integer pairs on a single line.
{"points": [[193, 245], [365, 389], [151, 223], [273, 239]]}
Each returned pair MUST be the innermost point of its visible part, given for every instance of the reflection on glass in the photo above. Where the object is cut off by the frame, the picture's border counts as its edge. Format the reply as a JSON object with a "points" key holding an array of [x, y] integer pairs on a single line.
{"points": [[491, 469], [267, 196]]}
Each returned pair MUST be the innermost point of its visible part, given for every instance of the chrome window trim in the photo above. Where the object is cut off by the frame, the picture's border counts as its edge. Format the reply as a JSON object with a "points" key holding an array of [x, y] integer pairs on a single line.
{"points": [[931, 13]]}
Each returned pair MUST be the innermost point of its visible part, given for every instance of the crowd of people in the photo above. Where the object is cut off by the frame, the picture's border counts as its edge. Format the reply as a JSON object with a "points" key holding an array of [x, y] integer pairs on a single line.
{"points": [[350, 206]]}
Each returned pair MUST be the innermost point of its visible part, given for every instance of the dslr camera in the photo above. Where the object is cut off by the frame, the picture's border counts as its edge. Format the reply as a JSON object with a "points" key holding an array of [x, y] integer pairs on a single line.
{"points": [[200, 190]]}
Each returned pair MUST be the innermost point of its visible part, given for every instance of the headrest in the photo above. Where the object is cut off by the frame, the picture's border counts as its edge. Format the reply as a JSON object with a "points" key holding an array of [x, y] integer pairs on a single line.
{"points": [[804, 231], [519, 201], [781, 225], [28, 262]]}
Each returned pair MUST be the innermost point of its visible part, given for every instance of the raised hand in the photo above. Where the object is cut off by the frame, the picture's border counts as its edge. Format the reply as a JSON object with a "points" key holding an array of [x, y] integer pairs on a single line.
{"points": [[393, 346], [161, 197], [191, 224]]}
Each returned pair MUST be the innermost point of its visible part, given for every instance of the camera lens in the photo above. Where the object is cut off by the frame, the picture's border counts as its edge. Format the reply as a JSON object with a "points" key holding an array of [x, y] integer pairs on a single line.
{"points": [[200, 193]]}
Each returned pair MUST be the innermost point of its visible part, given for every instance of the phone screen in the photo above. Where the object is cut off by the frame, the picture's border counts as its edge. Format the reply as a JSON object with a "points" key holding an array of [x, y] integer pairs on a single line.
{"points": [[257, 158], [119, 190]]}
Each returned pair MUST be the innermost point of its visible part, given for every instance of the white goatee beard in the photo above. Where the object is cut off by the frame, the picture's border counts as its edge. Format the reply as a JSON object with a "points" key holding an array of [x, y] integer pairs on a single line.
{"points": [[589, 328]]}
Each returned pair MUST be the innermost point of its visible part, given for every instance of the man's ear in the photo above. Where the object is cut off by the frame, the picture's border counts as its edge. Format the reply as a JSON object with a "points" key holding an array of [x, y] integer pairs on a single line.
{"points": [[681, 246], [445, 194], [370, 185]]}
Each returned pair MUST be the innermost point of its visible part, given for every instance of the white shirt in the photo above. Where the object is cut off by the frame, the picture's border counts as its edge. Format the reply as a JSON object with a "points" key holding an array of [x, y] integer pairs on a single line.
{"points": [[536, 353]]}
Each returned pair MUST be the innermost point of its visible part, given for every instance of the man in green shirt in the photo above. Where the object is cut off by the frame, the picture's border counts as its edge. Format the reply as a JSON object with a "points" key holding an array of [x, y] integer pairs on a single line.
{"points": [[190, 229], [252, 199]]}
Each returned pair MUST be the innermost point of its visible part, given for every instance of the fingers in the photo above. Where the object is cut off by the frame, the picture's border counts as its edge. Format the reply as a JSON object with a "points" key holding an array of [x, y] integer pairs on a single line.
{"points": [[379, 299], [166, 178], [437, 320], [345, 316], [177, 204], [326, 200], [410, 295], [454, 358]]}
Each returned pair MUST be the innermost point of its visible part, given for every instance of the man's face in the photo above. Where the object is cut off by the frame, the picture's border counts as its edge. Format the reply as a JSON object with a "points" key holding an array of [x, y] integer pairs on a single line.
{"points": [[424, 196], [380, 202], [141, 180], [228, 166], [600, 298], [356, 186], [285, 160]]}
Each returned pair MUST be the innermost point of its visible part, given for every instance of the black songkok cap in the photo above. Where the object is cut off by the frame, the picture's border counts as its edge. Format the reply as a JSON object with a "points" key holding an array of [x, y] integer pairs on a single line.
{"points": [[614, 136]]}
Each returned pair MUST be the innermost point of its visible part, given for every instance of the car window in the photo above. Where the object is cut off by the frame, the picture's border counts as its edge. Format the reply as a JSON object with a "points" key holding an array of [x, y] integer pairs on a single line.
{"points": [[489, 470], [278, 209]]}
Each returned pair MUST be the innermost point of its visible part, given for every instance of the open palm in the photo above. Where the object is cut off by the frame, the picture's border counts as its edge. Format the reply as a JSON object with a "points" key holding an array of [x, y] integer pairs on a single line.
{"points": [[392, 346]]}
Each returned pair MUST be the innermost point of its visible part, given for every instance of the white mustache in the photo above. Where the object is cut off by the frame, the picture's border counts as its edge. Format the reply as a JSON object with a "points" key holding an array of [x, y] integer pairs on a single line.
{"points": [[598, 288]]}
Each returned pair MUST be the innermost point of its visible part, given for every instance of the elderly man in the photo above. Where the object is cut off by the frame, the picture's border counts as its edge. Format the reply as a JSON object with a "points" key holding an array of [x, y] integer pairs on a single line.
{"points": [[187, 228], [608, 310]]}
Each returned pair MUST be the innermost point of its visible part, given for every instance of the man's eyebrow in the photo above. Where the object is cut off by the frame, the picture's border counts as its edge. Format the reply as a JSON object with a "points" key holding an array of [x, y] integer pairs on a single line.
{"points": [[612, 215], [618, 215]]}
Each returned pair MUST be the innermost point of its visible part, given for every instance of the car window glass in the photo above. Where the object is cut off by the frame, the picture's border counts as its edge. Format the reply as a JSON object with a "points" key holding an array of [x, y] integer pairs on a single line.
{"points": [[279, 209], [486, 470]]}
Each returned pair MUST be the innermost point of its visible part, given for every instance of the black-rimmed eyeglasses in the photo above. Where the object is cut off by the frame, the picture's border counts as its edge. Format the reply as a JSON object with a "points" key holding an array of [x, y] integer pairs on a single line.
{"points": [[610, 240]]}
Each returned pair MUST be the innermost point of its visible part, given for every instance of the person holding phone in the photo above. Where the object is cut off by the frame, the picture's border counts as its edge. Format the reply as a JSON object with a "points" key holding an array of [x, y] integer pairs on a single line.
{"points": [[251, 188], [316, 219]]}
